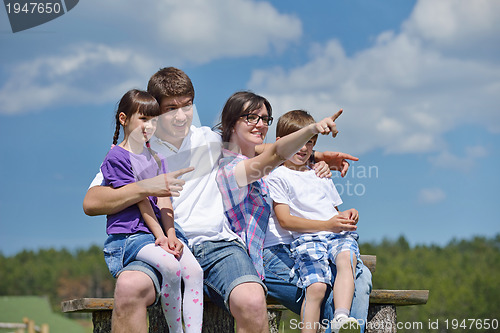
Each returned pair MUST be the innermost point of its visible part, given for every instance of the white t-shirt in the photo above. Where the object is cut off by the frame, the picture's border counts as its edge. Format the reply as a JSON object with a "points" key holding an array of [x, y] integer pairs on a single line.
{"points": [[198, 209], [307, 195], [275, 234]]}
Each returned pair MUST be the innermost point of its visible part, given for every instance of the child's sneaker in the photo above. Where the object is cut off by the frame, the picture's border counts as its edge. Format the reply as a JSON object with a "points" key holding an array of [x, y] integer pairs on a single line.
{"points": [[344, 324]]}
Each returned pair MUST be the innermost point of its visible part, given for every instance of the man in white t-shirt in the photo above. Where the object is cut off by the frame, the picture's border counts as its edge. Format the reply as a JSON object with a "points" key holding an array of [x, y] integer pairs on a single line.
{"points": [[229, 276]]}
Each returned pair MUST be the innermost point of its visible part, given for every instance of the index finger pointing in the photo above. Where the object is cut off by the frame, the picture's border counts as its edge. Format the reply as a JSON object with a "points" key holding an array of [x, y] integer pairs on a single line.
{"points": [[348, 157], [336, 115], [180, 172]]}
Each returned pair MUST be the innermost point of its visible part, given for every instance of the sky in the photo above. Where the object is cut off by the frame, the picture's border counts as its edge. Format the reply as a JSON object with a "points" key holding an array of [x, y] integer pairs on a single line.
{"points": [[419, 82]]}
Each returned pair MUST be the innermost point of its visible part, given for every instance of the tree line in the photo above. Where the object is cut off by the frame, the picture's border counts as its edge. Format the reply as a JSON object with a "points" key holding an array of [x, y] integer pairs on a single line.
{"points": [[463, 278]]}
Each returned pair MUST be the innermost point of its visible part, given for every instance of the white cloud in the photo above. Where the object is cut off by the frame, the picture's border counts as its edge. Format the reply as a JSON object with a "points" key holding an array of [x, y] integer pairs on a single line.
{"points": [[432, 195], [446, 24], [403, 93], [88, 73], [197, 31], [201, 31], [164, 32], [463, 163]]}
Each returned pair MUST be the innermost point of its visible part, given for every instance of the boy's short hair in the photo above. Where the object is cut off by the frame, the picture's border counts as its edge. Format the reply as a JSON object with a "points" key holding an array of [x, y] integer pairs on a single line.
{"points": [[170, 82], [292, 121]]}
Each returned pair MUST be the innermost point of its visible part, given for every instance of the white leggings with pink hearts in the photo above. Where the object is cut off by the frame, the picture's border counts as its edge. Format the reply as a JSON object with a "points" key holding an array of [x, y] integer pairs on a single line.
{"points": [[172, 270]]}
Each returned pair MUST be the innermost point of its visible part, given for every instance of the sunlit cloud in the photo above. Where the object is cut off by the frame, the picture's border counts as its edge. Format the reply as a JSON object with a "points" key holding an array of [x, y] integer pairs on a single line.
{"points": [[202, 31], [84, 74], [464, 162], [183, 32], [432, 195], [409, 88]]}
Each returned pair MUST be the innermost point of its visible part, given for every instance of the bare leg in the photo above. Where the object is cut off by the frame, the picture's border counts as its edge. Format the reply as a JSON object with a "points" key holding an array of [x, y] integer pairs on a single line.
{"points": [[311, 307], [343, 288], [134, 292], [247, 303]]}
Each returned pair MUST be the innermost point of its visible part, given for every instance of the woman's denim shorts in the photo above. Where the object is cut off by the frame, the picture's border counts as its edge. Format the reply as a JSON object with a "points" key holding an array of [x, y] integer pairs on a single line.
{"points": [[121, 249]]}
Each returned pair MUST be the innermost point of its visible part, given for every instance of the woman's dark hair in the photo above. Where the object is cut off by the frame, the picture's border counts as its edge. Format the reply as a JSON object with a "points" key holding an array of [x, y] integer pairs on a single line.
{"points": [[240, 103], [135, 101]]}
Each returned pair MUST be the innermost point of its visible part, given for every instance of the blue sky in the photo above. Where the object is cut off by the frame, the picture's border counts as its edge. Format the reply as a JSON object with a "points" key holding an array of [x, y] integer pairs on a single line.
{"points": [[419, 82]]}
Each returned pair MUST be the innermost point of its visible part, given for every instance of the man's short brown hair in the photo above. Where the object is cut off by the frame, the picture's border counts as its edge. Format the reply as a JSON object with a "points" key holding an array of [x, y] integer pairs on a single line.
{"points": [[170, 82]]}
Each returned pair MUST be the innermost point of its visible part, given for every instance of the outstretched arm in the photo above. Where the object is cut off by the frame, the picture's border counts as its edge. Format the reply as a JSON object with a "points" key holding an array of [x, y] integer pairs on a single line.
{"points": [[250, 170], [103, 200], [337, 161], [290, 222]]}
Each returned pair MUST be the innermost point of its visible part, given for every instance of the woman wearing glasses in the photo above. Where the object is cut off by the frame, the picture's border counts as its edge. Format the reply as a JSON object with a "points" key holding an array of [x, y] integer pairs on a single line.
{"points": [[244, 124]]}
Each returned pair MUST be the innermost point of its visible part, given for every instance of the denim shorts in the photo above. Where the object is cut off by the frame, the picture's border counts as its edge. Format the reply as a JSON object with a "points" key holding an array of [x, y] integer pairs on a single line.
{"points": [[120, 251], [225, 264]]}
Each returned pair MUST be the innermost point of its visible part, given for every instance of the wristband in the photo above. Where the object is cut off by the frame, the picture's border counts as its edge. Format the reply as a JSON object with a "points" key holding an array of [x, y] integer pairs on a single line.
{"points": [[312, 159]]}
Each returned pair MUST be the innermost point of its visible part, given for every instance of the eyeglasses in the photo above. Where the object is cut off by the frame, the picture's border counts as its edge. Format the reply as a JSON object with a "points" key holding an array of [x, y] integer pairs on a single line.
{"points": [[254, 119]]}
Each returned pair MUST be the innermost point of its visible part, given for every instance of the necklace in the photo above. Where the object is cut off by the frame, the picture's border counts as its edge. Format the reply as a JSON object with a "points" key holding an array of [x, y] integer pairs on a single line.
{"points": [[168, 145]]}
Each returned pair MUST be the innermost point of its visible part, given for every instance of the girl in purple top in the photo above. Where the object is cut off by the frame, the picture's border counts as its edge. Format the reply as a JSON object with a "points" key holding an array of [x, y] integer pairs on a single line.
{"points": [[135, 232]]}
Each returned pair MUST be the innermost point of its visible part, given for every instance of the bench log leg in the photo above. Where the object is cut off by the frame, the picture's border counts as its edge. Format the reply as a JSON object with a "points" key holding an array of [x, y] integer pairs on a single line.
{"points": [[216, 320], [101, 321], [157, 322], [381, 319], [274, 317]]}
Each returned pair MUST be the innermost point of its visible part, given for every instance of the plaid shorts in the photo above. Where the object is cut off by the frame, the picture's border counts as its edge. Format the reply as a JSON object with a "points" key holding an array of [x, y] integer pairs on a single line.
{"points": [[313, 254]]}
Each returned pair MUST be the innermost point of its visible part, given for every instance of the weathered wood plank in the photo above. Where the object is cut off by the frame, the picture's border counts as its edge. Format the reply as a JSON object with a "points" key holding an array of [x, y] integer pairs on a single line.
{"points": [[87, 304], [399, 297], [369, 261], [396, 297]]}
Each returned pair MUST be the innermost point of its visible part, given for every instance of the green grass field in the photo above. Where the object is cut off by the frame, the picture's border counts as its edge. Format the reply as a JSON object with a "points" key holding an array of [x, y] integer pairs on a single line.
{"points": [[14, 308]]}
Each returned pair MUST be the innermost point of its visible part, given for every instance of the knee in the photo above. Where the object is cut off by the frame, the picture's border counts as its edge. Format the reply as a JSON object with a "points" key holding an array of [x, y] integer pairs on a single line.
{"points": [[343, 259], [170, 270], [248, 300], [316, 291], [193, 277], [196, 272], [255, 304], [134, 288]]}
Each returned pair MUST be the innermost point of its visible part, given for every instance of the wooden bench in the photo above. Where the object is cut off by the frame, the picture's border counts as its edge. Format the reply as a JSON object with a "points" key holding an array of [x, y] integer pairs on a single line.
{"points": [[381, 313]]}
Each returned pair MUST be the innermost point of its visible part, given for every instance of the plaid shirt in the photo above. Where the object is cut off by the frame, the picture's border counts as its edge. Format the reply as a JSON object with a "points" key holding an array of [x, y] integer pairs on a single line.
{"points": [[246, 208]]}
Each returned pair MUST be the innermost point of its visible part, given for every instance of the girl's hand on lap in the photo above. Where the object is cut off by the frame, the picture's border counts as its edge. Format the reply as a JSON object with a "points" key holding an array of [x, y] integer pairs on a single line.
{"points": [[176, 246], [169, 245]]}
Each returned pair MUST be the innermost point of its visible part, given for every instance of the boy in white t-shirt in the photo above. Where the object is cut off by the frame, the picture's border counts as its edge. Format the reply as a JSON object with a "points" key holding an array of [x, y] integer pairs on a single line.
{"points": [[300, 195]]}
